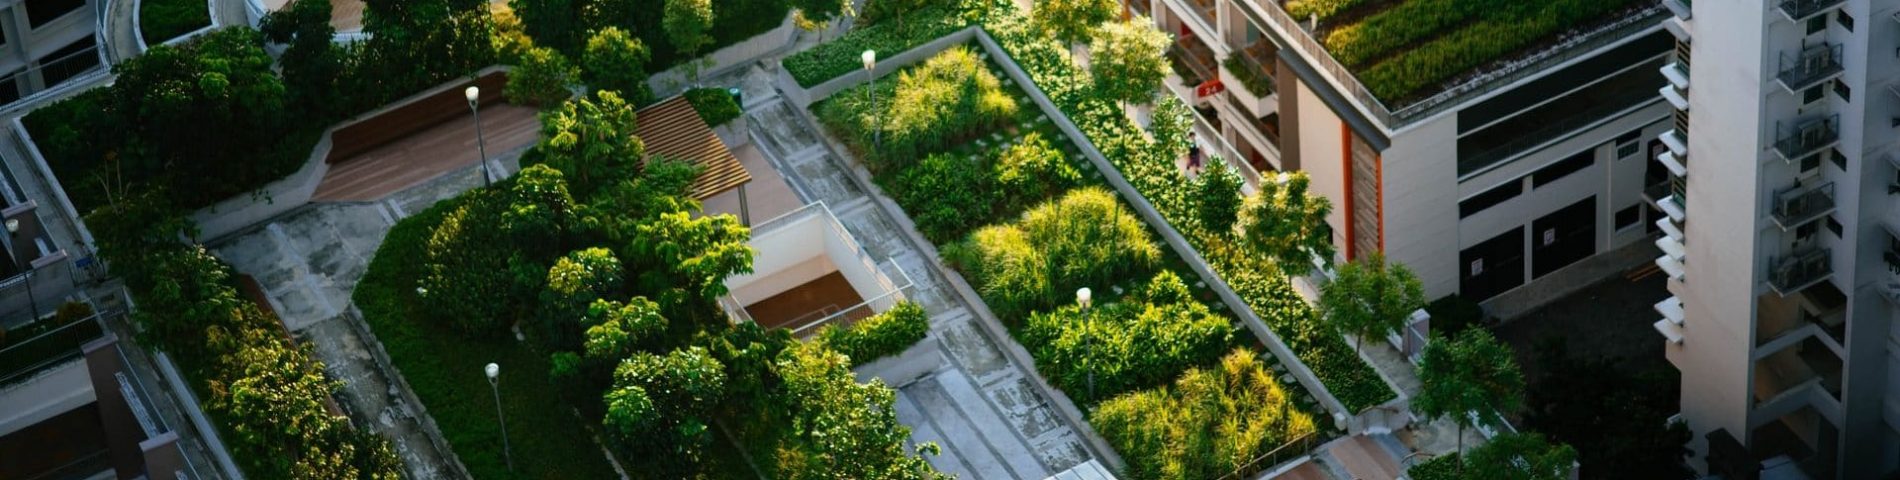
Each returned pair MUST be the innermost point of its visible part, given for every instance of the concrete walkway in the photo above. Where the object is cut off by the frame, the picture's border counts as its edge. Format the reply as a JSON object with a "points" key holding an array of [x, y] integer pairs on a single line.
{"points": [[982, 408], [121, 35]]}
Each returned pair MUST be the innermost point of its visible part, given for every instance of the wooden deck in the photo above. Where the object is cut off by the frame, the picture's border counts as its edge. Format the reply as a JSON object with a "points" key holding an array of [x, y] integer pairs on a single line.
{"points": [[427, 154], [808, 303]]}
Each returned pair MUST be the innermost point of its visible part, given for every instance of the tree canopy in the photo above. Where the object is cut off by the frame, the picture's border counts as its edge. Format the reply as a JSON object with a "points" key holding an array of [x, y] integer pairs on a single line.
{"points": [[1073, 20], [1128, 60], [616, 60], [1286, 223], [1472, 372], [1369, 298], [688, 24]]}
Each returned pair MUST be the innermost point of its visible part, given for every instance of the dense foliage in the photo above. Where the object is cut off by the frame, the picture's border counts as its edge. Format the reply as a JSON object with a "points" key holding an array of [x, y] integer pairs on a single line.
{"points": [[841, 56], [1286, 223], [1085, 238], [542, 77], [1470, 373], [162, 20], [946, 196], [1033, 170], [1142, 341], [1442, 39], [1249, 75], [1368, 298], [1212, 422], [616, 60], [948, 100], [1129, 60], [714, 105], [1617, 419], [565, 25], [880, 335], [1322, 9], [840, 428], [1072, 21], [1519, 456], [688, 24]]}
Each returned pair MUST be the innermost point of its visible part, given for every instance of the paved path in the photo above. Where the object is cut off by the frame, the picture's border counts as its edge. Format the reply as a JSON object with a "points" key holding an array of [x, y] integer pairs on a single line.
{"points": [[982, 408], [121, 35]]}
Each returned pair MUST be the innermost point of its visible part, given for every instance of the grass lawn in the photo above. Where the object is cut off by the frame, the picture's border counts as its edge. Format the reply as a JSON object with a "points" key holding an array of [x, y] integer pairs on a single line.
{"points": [[444, 367], [161, 20]]}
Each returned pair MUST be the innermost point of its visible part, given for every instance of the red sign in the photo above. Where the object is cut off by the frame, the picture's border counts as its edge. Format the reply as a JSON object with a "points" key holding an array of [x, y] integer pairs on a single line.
{"points": [[1209, 88]]}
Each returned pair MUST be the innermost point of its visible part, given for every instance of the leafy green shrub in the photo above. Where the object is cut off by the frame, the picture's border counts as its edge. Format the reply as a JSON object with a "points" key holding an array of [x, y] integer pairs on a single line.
{"points": [[1499, 32], [564, 24], [841, 56], [1211, 423], [478, 279], [615, 60], [952, 97], [1259, 83], [1142, 341], [880, 335], [946, 195], [1033, 170], [544, 78], [1217, 198], [715, 105], [162, 20], [1085, 238]]}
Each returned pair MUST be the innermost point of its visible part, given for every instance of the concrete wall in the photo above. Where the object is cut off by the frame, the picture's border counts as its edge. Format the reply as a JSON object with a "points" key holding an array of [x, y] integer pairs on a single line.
{"points": [[47, 394], [784, 276], [802, 246], [674, 80]]}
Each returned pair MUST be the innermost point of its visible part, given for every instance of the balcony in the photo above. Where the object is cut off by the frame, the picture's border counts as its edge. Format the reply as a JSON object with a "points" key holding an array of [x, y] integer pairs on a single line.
{"points": [[1681, 8], [1809, 67], [1674, 163], [1675, 97], [1677, 142], [1794, 272], [1807, 137], [1799, 205], [1819, 313], [1800, 10], [1677, 73], [1249, 75], [1194, 63]]}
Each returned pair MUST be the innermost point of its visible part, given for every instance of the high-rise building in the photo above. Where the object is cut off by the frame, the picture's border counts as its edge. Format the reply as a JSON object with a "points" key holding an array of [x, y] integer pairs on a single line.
{"points": [[46, 42], [1486, 148], [1783, 241]]}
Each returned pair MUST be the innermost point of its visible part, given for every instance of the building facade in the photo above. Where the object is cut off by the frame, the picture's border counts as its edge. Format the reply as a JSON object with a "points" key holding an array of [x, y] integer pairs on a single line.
{"points": [[1487, 183], [45, 42], [1783, 241]]}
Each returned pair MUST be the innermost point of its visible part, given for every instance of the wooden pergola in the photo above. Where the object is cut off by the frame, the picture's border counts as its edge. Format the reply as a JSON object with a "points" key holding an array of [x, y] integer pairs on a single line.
{"points": [[672, 129]]}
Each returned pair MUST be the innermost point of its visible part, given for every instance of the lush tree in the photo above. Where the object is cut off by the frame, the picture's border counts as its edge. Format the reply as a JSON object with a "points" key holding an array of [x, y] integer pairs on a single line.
{"points": [[616, 60], [1033, 170], [1520, 456], [554, 23], [539, 211], [682, 262], [617, 330], [815, 15], [658, 407], [313, 61], [543, 78], [1470, 374], [511, 39], [1129, 60], [1369, 298], [220, 82], [1285, 223], [1217, 198], [591, 273], [841, 428], [470, 279], [1617, 420], [1085, 238], [1211, 423], [592, 141], [1073, 21], [1141, 341], [688, 24], [416, 44], [661, 187]]}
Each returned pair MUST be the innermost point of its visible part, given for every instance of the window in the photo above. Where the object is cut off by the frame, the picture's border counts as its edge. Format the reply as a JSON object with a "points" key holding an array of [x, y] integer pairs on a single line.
{"points": [[1627, 144], [1840, 17], [1490, 198], [1834, 226], [1840, 89], [1812, 94], [1629, 217], [39, 12], [1817, 24], [1811, 162], [1563, 168], [68, 62], [1805, 232], [1840, 159]]}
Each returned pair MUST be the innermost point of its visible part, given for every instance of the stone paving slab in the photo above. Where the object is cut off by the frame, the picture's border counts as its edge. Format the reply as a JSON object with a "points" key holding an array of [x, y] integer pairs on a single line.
{"points": [[965, 450], [1013, 452], [973, 353]]}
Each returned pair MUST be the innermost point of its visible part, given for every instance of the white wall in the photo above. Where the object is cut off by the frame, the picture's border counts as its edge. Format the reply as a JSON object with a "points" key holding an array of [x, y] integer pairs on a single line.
{"points": [[1322, 155]]}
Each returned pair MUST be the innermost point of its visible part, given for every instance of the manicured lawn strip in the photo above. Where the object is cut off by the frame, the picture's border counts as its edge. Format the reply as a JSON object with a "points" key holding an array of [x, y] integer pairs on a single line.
{"points": [[1500, 32], [841, 56], [1150, 168], [161, 20], [1401, 26], [444, 368]]}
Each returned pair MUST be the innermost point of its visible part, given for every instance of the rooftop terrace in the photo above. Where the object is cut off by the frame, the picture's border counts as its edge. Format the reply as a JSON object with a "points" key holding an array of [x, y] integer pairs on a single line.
{"points": [[1411, 58]]}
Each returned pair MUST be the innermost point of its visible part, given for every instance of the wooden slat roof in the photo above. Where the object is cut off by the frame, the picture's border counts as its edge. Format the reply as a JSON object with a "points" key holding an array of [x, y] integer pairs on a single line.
{"points": [[672, 129]]}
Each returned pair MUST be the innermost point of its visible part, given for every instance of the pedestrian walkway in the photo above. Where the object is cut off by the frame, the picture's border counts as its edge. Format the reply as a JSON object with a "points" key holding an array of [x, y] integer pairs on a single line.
{"points": [[985, 410], [428, 153]]}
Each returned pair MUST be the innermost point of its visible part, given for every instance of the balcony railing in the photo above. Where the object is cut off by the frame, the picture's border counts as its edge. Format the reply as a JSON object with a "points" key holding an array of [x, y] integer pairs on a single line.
{"points": [[46, 348], [1798, 10], [1798, 206], [1807, 137], [1682, 8], [1808, 67], [1800, 270]]}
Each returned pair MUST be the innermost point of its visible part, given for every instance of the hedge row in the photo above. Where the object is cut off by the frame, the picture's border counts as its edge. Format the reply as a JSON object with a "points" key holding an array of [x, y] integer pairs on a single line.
{"points": [[879, 336], [844, 55], [714, 105], [1150, 167], [1477, 44]]}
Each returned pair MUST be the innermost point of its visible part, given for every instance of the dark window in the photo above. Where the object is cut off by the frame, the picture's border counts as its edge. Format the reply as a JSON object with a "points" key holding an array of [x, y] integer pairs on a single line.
{"points": [[1840, 88], [68, 62], [1812, 94], [38, 12], [1840, 159], [1805, 232], [1840, 17], [1817, 24], [1562, 116], [1492, 267], [1626, 144], [1632, 136], [1564, 237], [1834, 226], [1490, 198], [10, 87], [1811, 162], [1628, 217], [1570, 78], [1563, 168]]}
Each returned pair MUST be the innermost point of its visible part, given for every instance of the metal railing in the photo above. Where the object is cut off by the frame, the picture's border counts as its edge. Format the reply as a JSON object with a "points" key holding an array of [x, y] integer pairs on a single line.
{"points": [[1288, 451], [1800, 205], [1799, 10], [72, 65], [1567, 48], [1802, 69], [1806, 137], [25, 357], [864, 309], [819, 209], [1799, 270]]}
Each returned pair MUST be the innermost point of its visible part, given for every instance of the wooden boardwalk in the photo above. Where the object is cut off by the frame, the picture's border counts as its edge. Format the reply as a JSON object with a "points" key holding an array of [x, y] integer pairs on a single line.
{"points": [[427, 154]]}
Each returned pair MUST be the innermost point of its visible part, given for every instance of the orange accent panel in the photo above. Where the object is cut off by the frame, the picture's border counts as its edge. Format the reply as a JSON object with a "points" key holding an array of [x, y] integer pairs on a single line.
{"points": [[1378, 165], [1345, 143]]}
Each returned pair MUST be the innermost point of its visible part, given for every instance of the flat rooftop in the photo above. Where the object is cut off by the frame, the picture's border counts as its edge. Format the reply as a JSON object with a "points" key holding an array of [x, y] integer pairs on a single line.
{"points": [[1414, 54]]}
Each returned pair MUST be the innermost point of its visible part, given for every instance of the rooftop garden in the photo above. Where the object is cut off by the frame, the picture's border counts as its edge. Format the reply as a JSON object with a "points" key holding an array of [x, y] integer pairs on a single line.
{"points": [[1404, 50], [161, 20]]}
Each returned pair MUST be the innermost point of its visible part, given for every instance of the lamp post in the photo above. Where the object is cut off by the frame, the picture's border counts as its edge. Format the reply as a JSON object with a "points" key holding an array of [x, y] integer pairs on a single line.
{"points": [[494, 374], [474, 94], [13, 230], [877, 130], [1086, 298]]}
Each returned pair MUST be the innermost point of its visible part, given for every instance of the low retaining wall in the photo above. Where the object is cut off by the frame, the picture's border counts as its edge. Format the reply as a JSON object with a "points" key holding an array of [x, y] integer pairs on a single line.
{"points": [[675, 80], [804, 97]]}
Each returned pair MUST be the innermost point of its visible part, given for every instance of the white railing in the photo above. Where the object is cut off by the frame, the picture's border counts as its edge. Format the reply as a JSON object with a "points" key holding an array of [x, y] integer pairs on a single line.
{"points": [[892, 292], [891, 295]]}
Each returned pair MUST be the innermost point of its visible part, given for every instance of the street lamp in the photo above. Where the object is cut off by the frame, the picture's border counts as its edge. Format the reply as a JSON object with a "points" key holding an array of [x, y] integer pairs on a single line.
{"points": [[877, 130], [494, 374], [1086, 298], [474, 93]]}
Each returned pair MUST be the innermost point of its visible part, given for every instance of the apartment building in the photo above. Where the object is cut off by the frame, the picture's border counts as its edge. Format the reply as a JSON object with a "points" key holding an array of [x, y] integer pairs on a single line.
{"points": [[45, 42], [1783, 241], [1492, 179]]}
